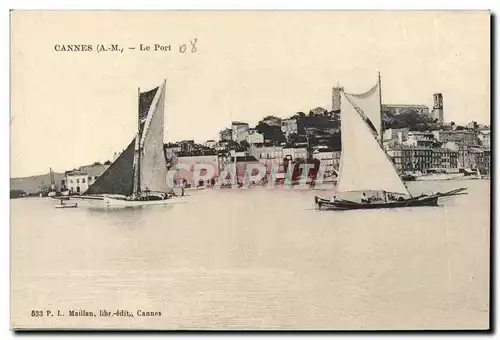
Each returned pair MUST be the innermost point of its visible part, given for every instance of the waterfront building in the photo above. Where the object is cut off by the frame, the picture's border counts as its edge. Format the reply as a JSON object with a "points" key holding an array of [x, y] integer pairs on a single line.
{"points": [[187, 163], [443, 158], [480, 158], [79, 180], [409, 158], [396, 156], [466, 156], [242, 164], [76, 181], [269, 156]]}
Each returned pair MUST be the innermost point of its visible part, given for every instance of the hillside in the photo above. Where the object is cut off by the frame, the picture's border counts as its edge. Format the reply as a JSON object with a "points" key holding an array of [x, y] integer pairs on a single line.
{"points": [[34, 184]]}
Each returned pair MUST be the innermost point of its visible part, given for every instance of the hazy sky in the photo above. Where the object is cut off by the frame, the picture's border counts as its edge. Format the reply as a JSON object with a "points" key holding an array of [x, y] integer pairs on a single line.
{"points": [[74, 108]]}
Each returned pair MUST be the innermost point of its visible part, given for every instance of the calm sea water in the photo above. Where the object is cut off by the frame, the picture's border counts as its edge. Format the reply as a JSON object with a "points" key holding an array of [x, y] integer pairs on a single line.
{"points": [[255, 259]]}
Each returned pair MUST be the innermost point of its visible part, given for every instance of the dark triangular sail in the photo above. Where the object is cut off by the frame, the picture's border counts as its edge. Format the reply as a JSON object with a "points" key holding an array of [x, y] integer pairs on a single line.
{"points": [[119, 177], [145, 101]]}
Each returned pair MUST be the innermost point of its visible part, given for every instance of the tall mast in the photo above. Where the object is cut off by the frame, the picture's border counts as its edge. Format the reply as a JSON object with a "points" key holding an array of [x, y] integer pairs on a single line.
{"points": [[381, 117], [137, 184], [52, 180]]}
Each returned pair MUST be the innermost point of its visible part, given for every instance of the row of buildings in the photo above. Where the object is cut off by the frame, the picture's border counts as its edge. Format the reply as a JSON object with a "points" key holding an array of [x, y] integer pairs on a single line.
{"points": [[408, 150], [278, 142], [448, 150]]}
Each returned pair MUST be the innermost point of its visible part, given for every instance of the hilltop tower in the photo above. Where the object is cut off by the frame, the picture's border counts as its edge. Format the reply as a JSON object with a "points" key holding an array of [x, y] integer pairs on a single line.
{"points": [[437, 109], [336, 98]]}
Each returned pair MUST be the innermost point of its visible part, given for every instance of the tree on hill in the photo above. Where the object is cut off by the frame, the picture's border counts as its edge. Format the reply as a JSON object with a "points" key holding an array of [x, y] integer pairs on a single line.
{"points": [[269, 117], [293, 138], [273, 133], [336, 142], [410, 118]]}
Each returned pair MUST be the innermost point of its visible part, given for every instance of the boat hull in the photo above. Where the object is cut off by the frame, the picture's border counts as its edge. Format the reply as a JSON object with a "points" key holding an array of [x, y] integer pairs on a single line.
{"points": [[419, 201], [324, 204], [106, 202], [121, 203]]}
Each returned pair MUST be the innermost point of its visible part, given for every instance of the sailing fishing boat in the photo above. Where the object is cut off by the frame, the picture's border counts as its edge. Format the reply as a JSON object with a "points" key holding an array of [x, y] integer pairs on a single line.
{"points": [[138, 176], [364, 165], [54, 192]]}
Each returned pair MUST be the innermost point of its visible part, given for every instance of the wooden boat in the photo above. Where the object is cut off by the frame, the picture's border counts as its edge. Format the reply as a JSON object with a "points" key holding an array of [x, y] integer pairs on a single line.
{"points": [[138, 177], [419, 201], [65, 206], [364, 165]]}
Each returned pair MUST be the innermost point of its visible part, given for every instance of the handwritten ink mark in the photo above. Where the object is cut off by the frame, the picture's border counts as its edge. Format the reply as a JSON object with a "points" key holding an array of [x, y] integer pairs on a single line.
{"points": [[193, 45]]}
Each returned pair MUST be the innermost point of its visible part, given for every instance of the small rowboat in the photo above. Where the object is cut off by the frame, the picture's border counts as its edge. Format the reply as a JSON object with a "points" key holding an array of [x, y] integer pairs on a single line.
{"points": [[63, 206]]}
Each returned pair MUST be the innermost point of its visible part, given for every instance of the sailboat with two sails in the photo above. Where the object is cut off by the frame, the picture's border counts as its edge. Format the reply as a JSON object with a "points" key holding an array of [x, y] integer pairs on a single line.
{"points": [[138, 176], [364, 165]]}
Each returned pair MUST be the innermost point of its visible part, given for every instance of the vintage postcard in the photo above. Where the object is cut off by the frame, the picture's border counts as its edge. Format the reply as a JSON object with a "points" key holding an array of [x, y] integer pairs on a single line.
{"points": [[250, 170]]}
